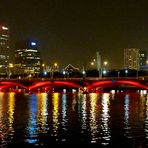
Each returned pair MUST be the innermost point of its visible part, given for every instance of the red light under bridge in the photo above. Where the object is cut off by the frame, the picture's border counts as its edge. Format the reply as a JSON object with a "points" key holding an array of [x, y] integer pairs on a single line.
{"points": [[11, 86], [115, 83], [47, 85]]}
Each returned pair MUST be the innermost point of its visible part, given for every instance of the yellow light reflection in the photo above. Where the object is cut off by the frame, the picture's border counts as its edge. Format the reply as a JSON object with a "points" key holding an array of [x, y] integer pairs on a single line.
{"points": [[93, 116], [11, 107], [105, 118], [146, 118], [1, 104], [55, 102], [42, 110], [142, 106]]}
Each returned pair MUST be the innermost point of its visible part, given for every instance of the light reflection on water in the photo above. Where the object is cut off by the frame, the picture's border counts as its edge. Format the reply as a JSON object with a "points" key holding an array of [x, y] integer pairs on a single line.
{"points": [[55, 102], [32, 124], [146, 120], [41, 119], [93, 118], [127, 127], [105, 118], [84, 114]]}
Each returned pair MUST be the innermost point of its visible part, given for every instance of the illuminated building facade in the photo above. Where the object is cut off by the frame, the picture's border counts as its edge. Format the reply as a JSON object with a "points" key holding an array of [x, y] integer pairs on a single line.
{"points": [[131, 58], [4, 49], [143, 59], [27, 57]]}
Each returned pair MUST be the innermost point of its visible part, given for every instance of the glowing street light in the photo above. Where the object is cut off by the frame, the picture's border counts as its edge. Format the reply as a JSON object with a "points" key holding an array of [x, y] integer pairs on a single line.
{"points": [[103, 69], [43, 65], [45, 73], [64, 73], [104, 72], [56, 67], [92, 63], [83, 72], [55, 64], [126, 72], [105, 63]]}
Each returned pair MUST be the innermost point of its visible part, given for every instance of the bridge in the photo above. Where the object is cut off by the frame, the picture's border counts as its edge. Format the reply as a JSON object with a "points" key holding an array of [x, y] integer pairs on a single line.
{"points": [[79, 84]]}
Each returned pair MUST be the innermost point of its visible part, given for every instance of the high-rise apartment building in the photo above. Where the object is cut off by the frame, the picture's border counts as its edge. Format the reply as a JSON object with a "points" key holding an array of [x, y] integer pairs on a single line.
{"points": [[131, 58], [4, 49], [143, 59], [135, 58], [27, 57]]}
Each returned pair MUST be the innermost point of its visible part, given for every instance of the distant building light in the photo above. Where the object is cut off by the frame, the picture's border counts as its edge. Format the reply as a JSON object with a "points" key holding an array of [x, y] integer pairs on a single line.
{"points": [[4, 28], [33, 43], [31, 50]]}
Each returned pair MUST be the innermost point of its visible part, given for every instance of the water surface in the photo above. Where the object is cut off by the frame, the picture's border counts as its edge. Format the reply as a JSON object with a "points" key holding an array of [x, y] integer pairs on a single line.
{"points": [[106, 119]]}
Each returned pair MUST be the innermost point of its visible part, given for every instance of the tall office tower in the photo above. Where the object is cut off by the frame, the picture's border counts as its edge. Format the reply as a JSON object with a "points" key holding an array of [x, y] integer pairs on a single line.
{"points": [[131, 58], [4, 49], [27, 57]]}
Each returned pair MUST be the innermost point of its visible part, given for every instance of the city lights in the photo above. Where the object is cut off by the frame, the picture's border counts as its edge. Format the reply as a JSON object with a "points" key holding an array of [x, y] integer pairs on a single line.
{"points": [[33, 43], [4, 28]]}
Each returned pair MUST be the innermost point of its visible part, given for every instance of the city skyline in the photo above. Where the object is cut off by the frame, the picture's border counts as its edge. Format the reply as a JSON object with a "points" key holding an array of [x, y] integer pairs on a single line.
{"points": [[71, 32]]}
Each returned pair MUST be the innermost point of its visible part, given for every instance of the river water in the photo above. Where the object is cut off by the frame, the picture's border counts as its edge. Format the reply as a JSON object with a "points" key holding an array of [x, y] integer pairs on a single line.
{"points": [[43, 119]]}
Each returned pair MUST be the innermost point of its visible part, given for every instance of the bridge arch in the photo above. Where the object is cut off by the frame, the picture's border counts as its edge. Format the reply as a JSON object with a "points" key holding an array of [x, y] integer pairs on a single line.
{"points": [[109, 83], [7, 84], [50, 84]]}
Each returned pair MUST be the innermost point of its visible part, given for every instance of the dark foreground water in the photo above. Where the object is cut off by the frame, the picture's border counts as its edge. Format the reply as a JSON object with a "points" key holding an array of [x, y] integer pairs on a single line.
{"points": [[106, 120]]}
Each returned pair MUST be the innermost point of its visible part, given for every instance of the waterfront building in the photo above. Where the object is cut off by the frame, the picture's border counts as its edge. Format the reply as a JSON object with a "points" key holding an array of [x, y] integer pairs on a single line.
{"points": [[4, 49], [143, 59], [27, 57], [135, 58], [131, 58]]}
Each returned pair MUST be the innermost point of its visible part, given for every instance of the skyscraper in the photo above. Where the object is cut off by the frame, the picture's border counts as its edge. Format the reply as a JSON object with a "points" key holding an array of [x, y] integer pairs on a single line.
{"points": [[131, 58], [27, 57], [4, 49]]}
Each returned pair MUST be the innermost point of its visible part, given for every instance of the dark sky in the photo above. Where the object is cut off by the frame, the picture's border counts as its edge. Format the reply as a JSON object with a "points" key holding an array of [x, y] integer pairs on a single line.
{"points": [[71, 31]]}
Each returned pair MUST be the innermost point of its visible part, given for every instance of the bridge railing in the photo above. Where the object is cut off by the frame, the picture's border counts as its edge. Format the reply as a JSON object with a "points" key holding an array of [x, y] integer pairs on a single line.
{"points": [[76, 79]]}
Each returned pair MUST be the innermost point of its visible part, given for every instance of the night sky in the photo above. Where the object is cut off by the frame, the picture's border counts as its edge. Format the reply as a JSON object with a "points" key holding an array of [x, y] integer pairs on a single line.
{"points": [[71, 31]]}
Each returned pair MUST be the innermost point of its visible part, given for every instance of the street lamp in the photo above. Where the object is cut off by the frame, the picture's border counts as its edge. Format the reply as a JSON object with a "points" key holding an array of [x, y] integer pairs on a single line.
{"points": [[64, 72], [118, 74], [104, 72], [56, 67], [83, 72], [92, 63], [103, 69], [105, 63], [55, 64], [43, 67], [126, 72], [45, 73]]}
